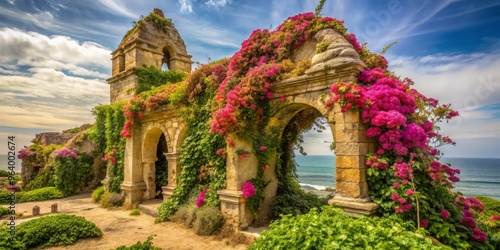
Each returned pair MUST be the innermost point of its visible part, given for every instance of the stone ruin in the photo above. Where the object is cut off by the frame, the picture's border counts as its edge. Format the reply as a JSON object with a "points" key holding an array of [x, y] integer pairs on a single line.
{"points": [[148, 46]]}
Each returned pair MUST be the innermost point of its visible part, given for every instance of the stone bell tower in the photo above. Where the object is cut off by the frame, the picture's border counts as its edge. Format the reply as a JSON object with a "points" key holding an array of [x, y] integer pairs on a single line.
{"points": [[153, 41]]}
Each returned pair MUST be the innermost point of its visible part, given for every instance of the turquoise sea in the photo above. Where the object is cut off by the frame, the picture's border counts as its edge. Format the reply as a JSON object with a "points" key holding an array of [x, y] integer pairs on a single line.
{"points": [[479, 176]]}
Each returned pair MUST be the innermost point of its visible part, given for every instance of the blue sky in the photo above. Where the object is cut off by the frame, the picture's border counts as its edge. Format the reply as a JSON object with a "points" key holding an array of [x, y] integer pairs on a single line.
{"points": [[55, 55]]}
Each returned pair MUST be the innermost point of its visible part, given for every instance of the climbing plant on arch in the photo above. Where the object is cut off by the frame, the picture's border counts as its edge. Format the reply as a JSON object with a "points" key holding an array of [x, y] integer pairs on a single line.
{"points": [[232, 97]]}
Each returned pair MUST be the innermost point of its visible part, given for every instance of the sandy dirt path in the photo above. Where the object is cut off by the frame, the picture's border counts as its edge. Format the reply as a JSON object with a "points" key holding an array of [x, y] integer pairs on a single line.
{"points": [[119, 228]]}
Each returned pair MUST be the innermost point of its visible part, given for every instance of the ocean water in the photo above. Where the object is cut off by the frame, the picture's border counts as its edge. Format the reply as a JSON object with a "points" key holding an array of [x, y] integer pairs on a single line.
{"points": [[479, 176]]}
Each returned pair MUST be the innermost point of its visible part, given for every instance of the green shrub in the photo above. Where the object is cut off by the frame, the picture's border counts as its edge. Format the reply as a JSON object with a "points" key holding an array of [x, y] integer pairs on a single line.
{"points": [[484, 218], [208, 220], [48, 231], [333, 229], [135, 212], [3, 211], [147, 245], [71, 175], [4, 173], [111, 200], [97, 193], [296, 202], [186, 214], [41, 194]]}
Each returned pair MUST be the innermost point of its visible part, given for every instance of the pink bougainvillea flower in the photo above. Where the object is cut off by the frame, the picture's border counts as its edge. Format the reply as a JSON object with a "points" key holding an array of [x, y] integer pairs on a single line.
{"points": [[265, 167], [263, 148], [282, 99], [424, 223], [469, 222], [445, 214], [200, 200], [248, 190], [244, 155], [220, 151], [479, 235], [495, 217], [410, 192], [396, 185]]}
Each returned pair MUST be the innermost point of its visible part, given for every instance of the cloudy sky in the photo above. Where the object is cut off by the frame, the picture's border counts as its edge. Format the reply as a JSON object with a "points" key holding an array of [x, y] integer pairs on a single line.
{"points": [[55, 55]]}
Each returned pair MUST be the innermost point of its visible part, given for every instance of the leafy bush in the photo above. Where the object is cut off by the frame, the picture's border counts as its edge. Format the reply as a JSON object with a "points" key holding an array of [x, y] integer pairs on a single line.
{"points": [[41, 194], [150, 77], [3, 173], [296, 202], [4, 196], [97, 193], [490, 218], [3, 211], [147, 245], [48, 231], [208, 220], [111, 200], [72, 174], [186, 214], [333, 229], [135, 212]]}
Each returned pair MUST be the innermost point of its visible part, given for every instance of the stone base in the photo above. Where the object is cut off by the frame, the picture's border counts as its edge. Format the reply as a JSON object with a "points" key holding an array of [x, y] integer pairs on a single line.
{"points": [[133, 192], [233, 206], [354, 206], [167, 191]]}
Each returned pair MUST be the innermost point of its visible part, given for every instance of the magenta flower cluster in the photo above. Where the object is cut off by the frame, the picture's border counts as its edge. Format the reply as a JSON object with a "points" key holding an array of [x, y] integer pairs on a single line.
{"points": [[248, 190], [64, 153], [25, 153], [200, 200]]}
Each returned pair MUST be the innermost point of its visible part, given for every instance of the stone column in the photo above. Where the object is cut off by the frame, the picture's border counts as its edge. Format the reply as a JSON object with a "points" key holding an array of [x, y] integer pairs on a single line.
{"points": [[173, 170], [351, 147], [149, 178], [133, 185], [238, 171]]}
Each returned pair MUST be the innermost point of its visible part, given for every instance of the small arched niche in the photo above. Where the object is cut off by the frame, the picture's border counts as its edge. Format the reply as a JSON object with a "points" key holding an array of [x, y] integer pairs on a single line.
{"points": [[165, 61]]}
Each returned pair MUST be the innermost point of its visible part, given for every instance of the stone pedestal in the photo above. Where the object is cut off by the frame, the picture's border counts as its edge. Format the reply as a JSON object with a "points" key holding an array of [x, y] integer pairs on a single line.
{"points": [[133, 192], [233, 206], [354, 206], [167, 191], [173, 170]]}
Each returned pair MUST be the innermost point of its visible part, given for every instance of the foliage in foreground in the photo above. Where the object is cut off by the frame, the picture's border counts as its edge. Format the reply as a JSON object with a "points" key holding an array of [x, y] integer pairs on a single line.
{"points": [[97, 193], [332, 229], [490, 218], [41, 194], [206, 220], [146, 245], [48, 231]]}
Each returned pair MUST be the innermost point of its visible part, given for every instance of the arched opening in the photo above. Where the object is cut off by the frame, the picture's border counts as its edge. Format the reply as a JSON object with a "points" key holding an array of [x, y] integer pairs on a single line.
{"points": [[165, 62], [154, 162], [315, 158], [161, 166], [296, 174]]}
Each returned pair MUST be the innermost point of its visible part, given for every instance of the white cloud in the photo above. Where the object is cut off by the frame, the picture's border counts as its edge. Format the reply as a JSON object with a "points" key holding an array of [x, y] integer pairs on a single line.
{"points": [[186, 6], [27, 48], [217, 3], [50, 83], [117, 7]]}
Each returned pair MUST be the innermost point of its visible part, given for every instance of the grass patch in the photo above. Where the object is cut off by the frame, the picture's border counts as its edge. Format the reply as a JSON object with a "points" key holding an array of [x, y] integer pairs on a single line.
{"points": [[111, 200], [57, 230], [97, 193], [41, 194], [135, 211], [146, 245]]}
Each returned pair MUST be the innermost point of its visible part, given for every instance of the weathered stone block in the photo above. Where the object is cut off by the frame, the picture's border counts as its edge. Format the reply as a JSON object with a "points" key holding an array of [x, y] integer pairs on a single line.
{"points": [[351, 175], [345, 148], [54, 208], [349, 161], [351, 189], [352, 116], [36, 210]]}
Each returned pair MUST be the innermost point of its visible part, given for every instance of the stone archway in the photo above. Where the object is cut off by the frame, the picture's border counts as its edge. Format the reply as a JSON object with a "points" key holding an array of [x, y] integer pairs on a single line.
{"points": [[149, 160]]}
